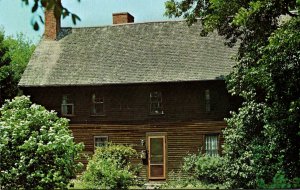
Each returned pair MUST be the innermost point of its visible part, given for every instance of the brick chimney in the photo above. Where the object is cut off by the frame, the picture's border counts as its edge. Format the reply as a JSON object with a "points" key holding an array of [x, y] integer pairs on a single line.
{"points": [[122, 18], [52, 24]]}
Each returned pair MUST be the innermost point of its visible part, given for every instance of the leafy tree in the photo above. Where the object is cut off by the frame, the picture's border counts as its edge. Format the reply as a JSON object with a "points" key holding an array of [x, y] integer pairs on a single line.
{"points": [[37, 150], [262, 137], [56, 5], [14, 56]]}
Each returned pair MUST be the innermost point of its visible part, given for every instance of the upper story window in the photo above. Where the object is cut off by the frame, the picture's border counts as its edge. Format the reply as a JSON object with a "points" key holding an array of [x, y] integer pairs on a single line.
{"points": [[67, 105], [212, 145], [100, 141], [156, 103], [97, 104], [207, 100]]}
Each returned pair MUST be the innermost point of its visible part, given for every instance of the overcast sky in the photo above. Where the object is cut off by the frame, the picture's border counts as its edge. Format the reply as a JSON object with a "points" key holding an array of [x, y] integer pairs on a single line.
{"points": [[16, 17]]}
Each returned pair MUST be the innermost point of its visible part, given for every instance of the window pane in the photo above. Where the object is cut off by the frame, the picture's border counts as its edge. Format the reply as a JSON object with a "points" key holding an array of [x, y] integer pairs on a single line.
{"points": [[100, 141], [67, 99], [207, 100], [156, 103], [64, 99], [156, 150], [98, 108], [96, 98], [97, 104], [67, 109], [64, 109], [211, 145]]}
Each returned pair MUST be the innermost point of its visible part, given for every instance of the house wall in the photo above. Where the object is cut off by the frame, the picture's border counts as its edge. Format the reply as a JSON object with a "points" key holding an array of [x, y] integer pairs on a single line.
{"points": [[182, 138], [127, 119], [130, 103]]}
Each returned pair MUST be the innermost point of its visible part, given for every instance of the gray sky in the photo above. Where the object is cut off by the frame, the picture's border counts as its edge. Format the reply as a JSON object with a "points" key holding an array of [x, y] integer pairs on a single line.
{"points": [[16, 17]]}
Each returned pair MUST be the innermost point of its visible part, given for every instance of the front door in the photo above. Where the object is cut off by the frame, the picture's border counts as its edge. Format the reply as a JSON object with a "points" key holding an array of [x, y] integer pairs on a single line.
{"points": [[156, 156]]}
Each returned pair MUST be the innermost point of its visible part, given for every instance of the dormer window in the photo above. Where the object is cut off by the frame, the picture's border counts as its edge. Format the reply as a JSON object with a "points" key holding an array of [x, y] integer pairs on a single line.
{"points": [[97, 104], [156, 103], [67, 105]]}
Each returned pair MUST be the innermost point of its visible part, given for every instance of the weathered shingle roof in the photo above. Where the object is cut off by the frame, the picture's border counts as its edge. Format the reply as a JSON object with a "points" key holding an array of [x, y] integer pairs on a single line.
{"points": [[131, 53]]}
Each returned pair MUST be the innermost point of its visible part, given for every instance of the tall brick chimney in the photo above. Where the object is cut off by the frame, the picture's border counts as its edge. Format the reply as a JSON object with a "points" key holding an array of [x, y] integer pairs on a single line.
{"points": [[52, 24], [122, 18]]}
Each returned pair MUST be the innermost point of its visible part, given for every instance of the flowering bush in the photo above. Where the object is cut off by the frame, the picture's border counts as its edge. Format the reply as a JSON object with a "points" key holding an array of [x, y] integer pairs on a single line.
{"points": [[37, 150]]}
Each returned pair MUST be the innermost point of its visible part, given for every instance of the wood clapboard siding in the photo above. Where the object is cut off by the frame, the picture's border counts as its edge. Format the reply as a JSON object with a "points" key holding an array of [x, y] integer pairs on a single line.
{"points": [[127, 119], [182, 137], [181, 101]]}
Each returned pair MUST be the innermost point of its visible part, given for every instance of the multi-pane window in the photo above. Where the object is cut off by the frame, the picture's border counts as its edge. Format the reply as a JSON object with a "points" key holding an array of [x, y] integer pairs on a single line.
{"points": [[67, 105], [100, 140], [211, 145], [97, 105], [156, 103], [207, 100]]}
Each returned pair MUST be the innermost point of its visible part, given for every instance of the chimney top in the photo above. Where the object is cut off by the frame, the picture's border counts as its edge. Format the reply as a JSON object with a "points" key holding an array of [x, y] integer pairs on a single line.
{"points": [[122, 18], [52, 24]]}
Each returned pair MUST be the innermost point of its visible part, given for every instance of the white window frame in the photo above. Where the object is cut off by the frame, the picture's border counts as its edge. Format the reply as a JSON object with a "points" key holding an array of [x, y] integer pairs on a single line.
{"points": [[103, 136], [94, 103], [211, 149], [207, 100], [156, 98], [63, 104]]}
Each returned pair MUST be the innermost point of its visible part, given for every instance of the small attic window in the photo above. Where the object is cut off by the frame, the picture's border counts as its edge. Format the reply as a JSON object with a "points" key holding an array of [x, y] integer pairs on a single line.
{"points": [[67, 105]]}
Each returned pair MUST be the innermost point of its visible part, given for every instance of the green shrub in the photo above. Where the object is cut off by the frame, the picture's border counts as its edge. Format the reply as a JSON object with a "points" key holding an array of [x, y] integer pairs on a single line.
{"points": [[205, 168], [110, 167], [279, 182], [177, 180], [36, 147]]}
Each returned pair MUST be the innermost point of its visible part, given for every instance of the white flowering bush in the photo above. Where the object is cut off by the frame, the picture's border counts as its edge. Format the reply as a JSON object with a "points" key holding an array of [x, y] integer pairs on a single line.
{"points": [[37, 150]]}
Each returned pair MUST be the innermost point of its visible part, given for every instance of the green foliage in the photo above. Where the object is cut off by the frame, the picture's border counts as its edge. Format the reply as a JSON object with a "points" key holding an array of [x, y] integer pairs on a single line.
{"points": [[279, 182], [179, 180], [36, 147], [14, 56], [56, 5], [208, 169], [110, 167], [263, 136]]}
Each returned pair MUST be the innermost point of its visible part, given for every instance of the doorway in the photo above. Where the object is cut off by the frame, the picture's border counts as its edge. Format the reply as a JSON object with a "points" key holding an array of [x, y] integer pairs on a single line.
{"points": [[156, 155]]}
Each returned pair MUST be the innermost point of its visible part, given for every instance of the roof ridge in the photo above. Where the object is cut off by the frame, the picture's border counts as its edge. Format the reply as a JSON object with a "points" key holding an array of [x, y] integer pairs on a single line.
{"points": [[125, 24]]}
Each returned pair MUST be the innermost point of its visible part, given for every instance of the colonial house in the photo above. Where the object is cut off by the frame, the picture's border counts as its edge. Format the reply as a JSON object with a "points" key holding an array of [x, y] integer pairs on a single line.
{"points": [[158, 86]]}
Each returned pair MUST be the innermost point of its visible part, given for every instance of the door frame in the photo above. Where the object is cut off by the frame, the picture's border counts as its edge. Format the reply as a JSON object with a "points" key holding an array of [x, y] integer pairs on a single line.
{"points": [[157, 135]]}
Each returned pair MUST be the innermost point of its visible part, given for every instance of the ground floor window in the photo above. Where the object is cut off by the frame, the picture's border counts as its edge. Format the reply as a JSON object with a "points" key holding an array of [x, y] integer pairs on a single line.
{"points": [[212, 145], [100, 141]]}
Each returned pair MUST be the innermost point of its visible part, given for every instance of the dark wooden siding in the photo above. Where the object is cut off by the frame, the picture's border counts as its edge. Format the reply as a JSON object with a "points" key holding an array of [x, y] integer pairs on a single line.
{"points": [[181, 101], [127, 118], [182, 137]]}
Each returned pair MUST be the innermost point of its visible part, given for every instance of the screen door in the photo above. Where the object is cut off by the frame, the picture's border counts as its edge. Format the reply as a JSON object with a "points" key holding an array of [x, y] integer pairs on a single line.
{"points": [[156, 157]]}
